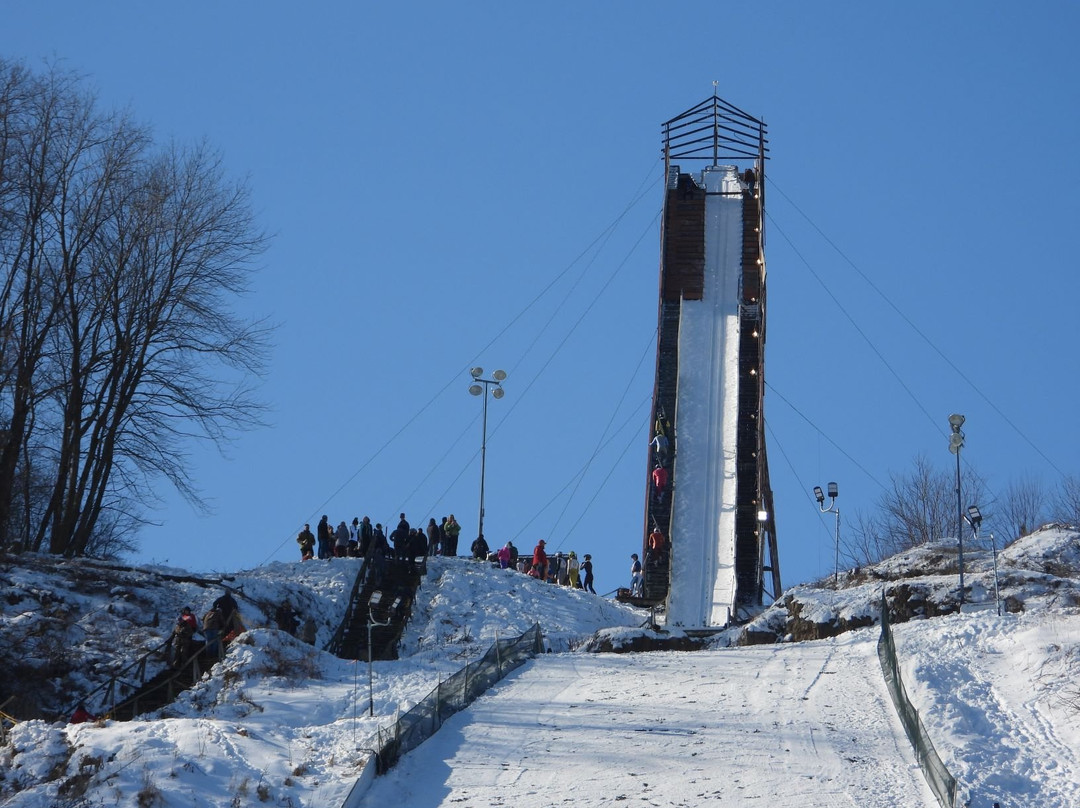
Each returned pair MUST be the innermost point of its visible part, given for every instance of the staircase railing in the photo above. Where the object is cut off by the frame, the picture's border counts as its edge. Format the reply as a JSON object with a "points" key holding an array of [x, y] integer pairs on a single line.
{"points": [[334, 644], [178, 681], [137, 669]]}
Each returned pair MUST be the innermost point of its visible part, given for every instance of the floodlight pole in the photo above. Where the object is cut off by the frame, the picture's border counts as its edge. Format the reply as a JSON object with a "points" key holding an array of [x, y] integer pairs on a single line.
{"points": [[974, 518], [477, 390], [376, 596], [997, 593], [956, 443], [820, 497]]}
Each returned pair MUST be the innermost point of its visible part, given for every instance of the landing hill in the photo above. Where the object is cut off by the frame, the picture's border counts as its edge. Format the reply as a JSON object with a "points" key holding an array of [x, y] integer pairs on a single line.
{"points": [[281, 722]]}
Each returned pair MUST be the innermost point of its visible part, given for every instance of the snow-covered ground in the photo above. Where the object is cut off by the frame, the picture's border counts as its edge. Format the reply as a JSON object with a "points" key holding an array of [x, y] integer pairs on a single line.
{"points": [[788, 726], [793, 724]]}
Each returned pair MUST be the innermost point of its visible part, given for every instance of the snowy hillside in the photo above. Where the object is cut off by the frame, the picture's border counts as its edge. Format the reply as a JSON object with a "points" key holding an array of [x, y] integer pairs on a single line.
{"points": [[800, 724]]}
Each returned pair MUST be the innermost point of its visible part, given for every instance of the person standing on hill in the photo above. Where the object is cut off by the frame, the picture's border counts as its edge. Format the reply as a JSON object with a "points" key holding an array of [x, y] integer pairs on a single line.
{"points": [[573, 571], [380, 550], [306, 540], [480, 548], [586, 569], [322, 530], [341, 540], [637, 580], [354, 537], [399, 539], [418, 547], [433, 537], [453, 530], [367, 533], [540, 561]]}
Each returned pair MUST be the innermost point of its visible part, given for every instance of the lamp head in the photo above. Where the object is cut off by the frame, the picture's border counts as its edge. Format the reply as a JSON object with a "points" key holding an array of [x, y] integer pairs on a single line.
{"points": [[833, 491], [375, 598], [973, 515], [499, 375], [476, 372], [956, 420], [476, 389], [498, 392], [819, 495]]}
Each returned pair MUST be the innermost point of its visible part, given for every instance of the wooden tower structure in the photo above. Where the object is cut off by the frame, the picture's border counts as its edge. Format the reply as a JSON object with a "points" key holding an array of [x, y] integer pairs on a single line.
{"points": [[715, 134]]}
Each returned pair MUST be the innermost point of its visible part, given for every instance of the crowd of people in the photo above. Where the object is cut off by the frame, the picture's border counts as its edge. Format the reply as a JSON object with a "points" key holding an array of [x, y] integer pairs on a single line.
{"points": [[355, 540], [361, 539], [563, 569]]}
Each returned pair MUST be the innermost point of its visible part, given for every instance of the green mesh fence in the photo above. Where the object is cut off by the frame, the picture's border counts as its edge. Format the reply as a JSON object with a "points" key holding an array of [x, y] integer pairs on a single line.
{"points": [[452, 695], [941, 782]]}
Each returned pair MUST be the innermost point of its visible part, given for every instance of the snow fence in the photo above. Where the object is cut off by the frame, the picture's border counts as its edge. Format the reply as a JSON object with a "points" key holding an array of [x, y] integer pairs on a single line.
{"points": [[453, 695], [941, 782]]}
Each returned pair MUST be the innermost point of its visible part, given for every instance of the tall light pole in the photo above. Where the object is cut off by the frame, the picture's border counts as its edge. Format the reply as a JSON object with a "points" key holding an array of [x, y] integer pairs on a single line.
{"points": [[974, 518], [479, 387], [375, 600], [820, 497], [956, 443]]}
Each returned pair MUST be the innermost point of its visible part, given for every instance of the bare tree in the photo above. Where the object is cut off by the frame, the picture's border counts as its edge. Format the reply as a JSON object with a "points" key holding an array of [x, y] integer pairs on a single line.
{"points": [[919, 507], [125, 265], [1066, 505], [1023, 509]]}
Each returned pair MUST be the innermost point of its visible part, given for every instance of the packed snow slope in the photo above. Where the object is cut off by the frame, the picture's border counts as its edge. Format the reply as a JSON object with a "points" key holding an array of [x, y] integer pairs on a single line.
{"points": [[703, 505], [784, 726], [794, 723]]}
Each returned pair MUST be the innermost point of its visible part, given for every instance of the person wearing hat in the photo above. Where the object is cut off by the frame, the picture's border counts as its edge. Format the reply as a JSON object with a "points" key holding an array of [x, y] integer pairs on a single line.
{"points": [[637, 580], [573, 571], [586, 567], [183, 631], [540, 561]]}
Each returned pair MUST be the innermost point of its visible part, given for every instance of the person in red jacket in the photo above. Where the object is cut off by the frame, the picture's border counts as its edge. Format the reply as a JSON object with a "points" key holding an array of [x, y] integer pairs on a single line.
{"points": [[81, 715], [659, 476], [540, 562], [183, 631]]}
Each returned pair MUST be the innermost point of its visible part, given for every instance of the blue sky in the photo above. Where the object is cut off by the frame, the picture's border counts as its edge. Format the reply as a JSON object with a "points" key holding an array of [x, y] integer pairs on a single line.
{"points": [[441, 182]]}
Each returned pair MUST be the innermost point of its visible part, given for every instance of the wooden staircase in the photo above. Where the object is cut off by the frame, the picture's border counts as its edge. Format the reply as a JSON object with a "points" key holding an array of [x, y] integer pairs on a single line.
{"points": [[162, 688], [383, 618]]}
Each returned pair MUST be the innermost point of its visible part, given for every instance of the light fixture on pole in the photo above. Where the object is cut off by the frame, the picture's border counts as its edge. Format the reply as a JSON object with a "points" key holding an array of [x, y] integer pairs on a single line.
{"points": [[974, 518], [375, 600], [479, 387], [956, 443], [819, 495]]}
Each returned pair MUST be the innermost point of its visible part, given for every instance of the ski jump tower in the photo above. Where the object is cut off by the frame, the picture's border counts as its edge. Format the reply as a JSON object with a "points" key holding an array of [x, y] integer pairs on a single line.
{"points": [[716, 509]]}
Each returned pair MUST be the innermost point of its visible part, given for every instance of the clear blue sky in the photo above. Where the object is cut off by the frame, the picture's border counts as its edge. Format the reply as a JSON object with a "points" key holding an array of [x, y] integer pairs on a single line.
{"points": [[429, 169]]}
